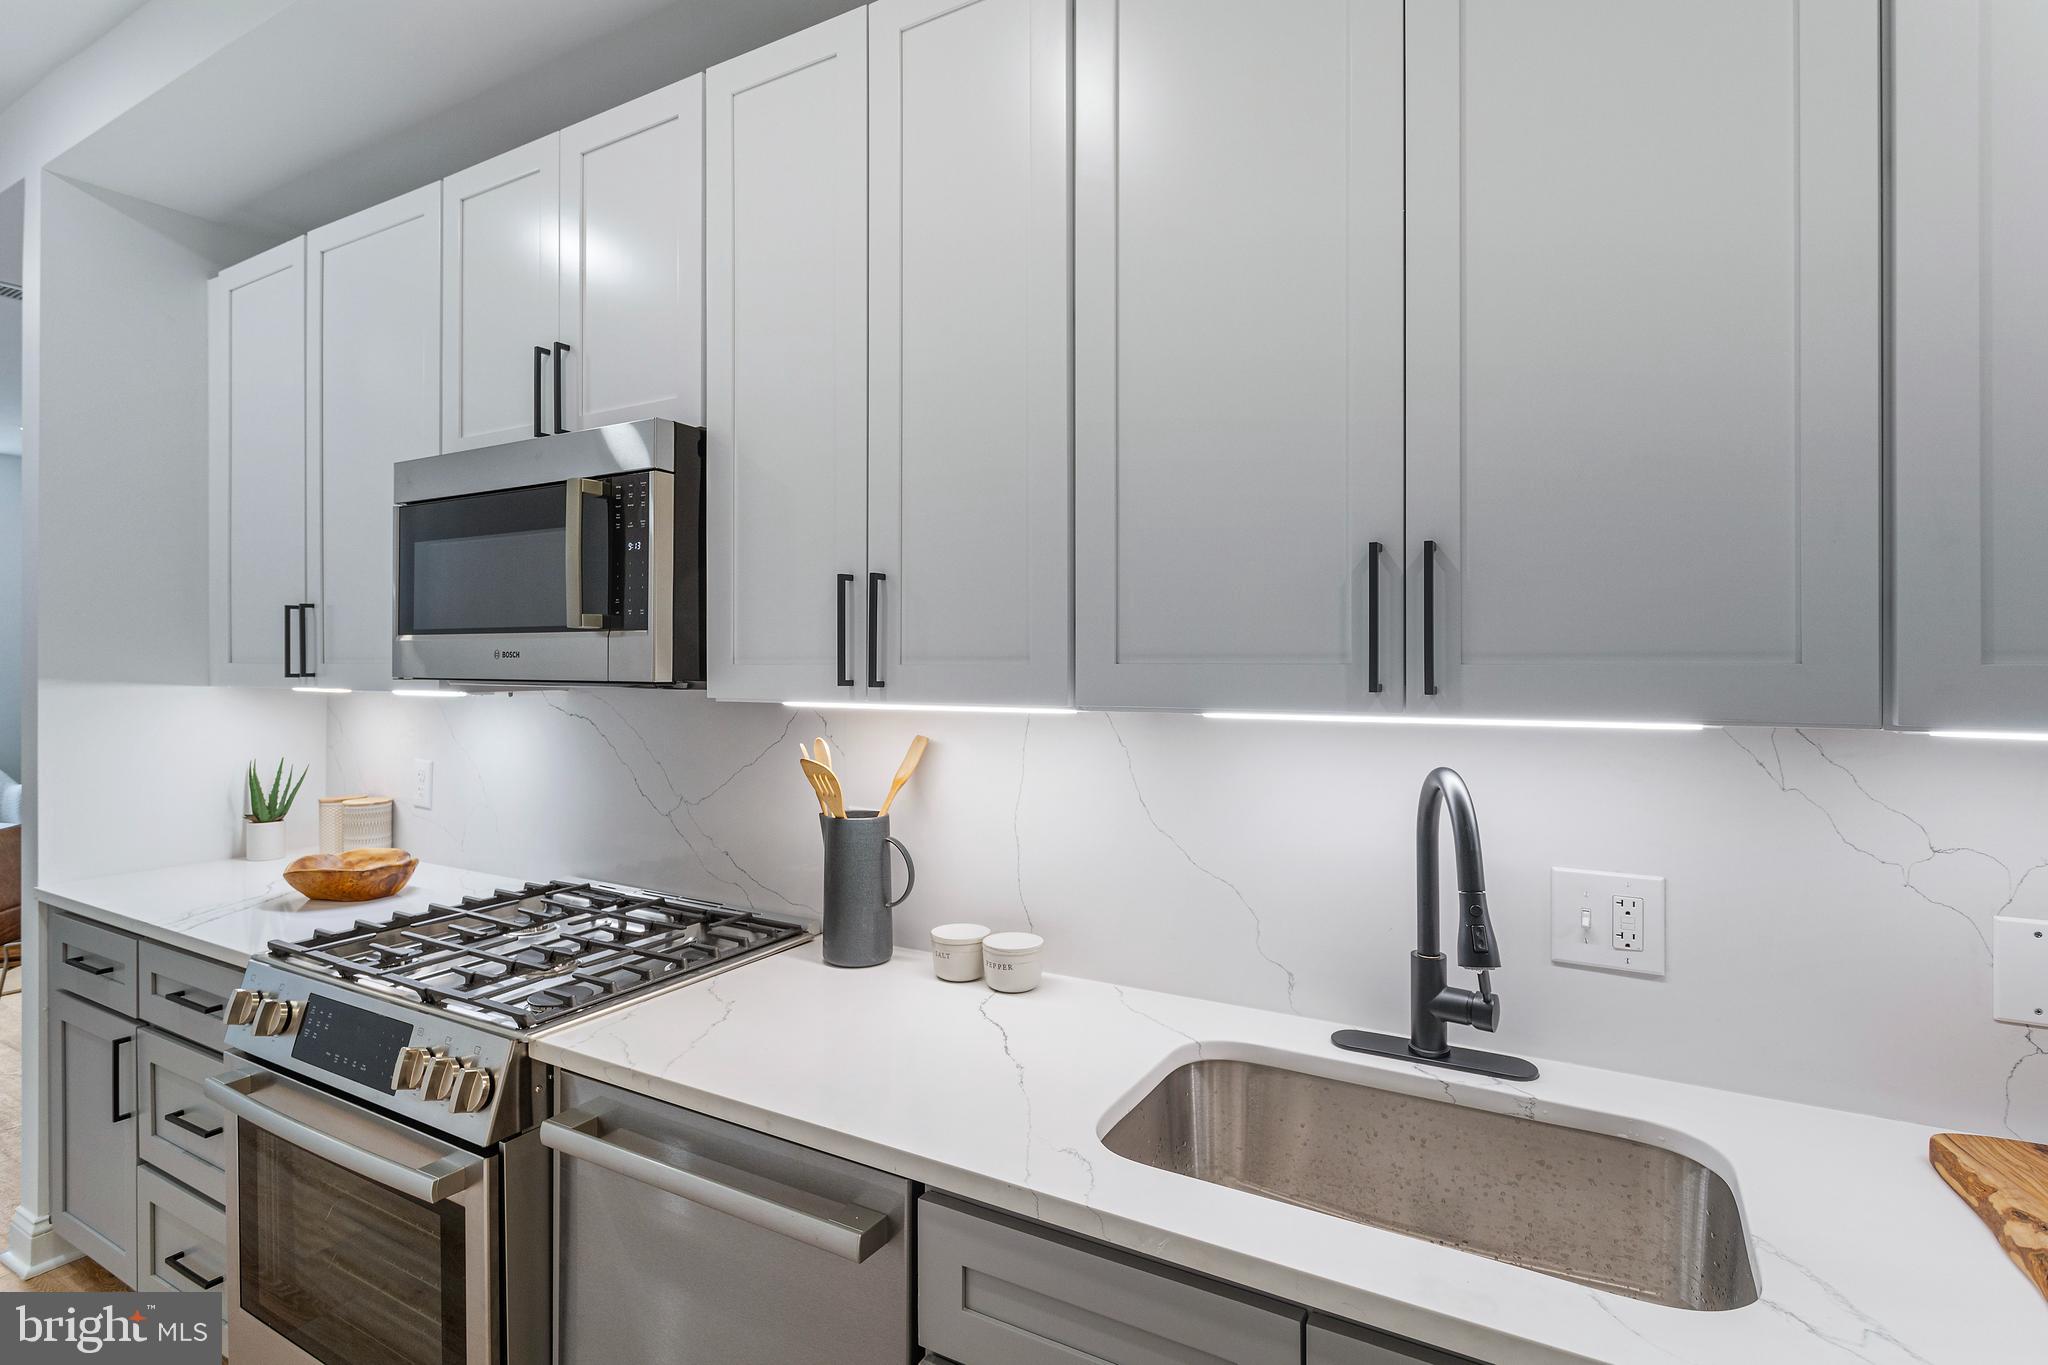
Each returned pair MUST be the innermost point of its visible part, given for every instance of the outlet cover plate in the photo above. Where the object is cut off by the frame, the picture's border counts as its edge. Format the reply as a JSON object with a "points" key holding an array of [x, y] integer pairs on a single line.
{"points": [[423, 783], [2019, 970], [1583, 909]]}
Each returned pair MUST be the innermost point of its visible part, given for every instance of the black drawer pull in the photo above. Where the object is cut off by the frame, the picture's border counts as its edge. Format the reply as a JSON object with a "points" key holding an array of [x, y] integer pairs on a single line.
{"points": [[84, 964], [178, 997], [176, 1118], [176, 1261], [114, 1071], [1372, 617], [1429, 687]]}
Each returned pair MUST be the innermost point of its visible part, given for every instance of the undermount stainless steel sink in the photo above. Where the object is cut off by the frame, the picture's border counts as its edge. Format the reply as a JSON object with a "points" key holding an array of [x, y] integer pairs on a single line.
{"points": [[1599, 1210]]}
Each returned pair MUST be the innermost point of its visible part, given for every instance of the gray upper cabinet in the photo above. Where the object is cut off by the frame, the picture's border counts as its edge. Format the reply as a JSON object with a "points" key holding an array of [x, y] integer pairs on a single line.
{"points": [[500, 282], [1237, 367], [968, 491], [373, 398], [786, 263], [1644, 360], [257, 474], [1970, 337]]}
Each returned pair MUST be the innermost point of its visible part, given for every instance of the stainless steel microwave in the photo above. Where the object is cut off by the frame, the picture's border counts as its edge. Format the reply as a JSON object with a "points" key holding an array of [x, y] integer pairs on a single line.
{"points": [[576, 558]]}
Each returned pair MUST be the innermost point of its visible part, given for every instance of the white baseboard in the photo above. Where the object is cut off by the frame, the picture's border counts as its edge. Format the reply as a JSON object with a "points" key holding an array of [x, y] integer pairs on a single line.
{"points": [[33, 1246]]}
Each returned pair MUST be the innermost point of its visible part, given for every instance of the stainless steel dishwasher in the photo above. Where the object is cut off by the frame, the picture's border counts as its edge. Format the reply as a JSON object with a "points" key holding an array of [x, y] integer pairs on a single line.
{"points": [[688, 1240]]}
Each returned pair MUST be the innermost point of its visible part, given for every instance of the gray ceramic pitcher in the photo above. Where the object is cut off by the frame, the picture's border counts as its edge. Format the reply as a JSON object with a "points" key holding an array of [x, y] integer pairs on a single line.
{"points": [[859, 930]]}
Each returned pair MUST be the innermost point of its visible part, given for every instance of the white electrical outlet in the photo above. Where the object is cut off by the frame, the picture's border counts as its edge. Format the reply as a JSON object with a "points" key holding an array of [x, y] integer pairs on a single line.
{"points": [[1610, 920], [2019, 970], [423, 783]]}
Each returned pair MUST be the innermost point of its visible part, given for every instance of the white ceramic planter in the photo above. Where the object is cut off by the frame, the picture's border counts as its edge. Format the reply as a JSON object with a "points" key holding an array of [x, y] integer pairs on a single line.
{"points": [[262, 842]]}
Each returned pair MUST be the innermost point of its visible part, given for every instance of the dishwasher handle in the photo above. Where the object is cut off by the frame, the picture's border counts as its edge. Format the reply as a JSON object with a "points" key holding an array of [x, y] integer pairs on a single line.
{"points": [[845, 1230]]}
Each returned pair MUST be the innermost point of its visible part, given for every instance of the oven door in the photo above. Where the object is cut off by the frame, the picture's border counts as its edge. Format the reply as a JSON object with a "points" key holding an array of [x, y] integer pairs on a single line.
{"points": [[353, 1238]]}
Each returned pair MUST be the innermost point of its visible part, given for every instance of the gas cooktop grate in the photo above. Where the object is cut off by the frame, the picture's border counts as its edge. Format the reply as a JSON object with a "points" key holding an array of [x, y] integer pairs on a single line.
{"points": [[531, 957]]}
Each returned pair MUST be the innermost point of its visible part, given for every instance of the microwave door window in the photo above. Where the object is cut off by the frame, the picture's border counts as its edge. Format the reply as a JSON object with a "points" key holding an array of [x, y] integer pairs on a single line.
{"points": [[493, 563]]}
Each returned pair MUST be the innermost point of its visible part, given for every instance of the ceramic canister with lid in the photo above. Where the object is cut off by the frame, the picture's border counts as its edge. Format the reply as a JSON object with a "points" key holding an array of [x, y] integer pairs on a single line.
{"points": [[1011, 961], [956, 951]]}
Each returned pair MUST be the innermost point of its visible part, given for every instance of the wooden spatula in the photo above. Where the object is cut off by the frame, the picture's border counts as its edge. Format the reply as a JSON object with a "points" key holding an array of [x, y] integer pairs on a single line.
{"points": [[822, 752], [909, 766], [826, 784]]}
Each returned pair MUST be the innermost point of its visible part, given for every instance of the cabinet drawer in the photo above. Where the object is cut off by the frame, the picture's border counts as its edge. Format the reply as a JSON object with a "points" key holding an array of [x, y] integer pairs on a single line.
{"points": [[998, 1291], [185, 995], [183, 1133], [184, 1239], [1332, 1341], [92, 962]]}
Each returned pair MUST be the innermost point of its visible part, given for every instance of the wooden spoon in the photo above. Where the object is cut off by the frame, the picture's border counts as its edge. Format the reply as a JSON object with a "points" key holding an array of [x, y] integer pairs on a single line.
{"points": [[909, 766], [826, 784], [823, 753]]}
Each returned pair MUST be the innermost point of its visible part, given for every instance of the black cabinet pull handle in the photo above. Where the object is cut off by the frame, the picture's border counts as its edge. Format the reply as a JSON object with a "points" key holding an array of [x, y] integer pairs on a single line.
{"points": [[179, 997], [288, 610], [839, 587], [176, 1118], [561, 349], [1372, 617], [83, 964], [540, 358], [875, 582], [115, 1073], [176, 1261], [305, 651], [1429, 618]]}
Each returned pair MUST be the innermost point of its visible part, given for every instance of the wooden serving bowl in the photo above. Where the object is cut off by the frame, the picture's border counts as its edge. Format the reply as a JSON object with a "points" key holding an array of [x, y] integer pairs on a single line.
{"points": [[361, 874]]}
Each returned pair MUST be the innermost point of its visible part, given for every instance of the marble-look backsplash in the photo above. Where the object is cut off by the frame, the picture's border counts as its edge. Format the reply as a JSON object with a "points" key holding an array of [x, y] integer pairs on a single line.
{"points": [[1830, 892]]}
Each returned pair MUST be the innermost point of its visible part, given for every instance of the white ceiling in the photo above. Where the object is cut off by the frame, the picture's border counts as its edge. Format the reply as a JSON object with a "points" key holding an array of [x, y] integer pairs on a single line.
{"points": [[334, 105], [38, 36]]}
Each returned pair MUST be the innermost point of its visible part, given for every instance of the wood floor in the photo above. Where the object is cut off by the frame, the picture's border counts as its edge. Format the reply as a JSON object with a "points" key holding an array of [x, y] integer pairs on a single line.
{"points": [[81, 1276]]}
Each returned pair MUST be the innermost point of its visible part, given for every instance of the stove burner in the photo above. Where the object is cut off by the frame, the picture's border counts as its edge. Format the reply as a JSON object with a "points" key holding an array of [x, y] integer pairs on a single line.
{"points": [[530, 957]]}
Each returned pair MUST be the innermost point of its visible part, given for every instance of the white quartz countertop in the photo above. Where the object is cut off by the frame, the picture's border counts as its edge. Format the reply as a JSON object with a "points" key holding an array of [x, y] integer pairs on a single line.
{"points": [[231, 909], [1861, 1253]]}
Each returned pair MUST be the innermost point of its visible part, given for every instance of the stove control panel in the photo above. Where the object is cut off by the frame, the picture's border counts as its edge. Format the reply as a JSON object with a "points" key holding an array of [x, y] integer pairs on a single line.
{"points": [[418, 1065]]}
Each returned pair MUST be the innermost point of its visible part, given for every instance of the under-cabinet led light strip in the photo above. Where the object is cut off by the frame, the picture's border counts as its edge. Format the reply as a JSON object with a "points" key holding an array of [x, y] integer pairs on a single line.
{"points": [[912, 706], [432, 693], [330, 691], [1484, 722], [2010, 736]]}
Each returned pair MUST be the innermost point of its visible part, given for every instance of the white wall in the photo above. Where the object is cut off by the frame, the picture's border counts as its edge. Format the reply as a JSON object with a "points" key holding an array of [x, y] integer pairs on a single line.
{"points": [[10, 614], [1830, 892]]}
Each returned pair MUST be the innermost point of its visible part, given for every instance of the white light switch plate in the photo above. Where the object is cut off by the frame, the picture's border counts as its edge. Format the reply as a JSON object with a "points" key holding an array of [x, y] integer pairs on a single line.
{"points": [[2019, 970], [1610, 920]]}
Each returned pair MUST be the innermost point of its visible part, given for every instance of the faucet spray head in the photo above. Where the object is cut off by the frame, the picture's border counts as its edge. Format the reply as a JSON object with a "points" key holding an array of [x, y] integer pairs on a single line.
{"points": [[1477, 949]]}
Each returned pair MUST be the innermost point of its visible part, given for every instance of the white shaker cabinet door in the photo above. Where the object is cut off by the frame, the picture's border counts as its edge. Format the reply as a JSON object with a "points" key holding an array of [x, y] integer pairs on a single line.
{"points": [[1644, 359], [967, 591], [1970, 336], [1237, 333], [257, 473], [786, 393], [632, 235], [500, 295], [373, 398]]}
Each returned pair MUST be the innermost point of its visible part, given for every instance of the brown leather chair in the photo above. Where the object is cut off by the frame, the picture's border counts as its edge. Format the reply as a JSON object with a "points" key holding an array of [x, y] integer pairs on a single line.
{"points": [[10, 902]]}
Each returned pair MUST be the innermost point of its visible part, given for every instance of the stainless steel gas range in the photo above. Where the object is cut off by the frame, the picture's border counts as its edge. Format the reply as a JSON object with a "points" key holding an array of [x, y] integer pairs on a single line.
{"points": [[387, 1192]]}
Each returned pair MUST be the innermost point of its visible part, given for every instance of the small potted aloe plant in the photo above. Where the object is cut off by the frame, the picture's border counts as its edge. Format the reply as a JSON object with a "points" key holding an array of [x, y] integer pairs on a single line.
{"points": [[263, 830]]}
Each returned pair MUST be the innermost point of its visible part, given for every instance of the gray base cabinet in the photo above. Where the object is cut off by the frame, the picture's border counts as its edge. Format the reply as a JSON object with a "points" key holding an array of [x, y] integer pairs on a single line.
{"points": [[92, 1132], [137, 1152], [1331, 1342], [997, 1291]]}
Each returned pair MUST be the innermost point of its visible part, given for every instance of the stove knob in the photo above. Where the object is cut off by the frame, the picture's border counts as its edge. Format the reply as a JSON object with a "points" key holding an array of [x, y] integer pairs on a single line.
{"points": [[242, 1005], [411, 1068], [472, 1090], [274, 1016], [438, 1077]]}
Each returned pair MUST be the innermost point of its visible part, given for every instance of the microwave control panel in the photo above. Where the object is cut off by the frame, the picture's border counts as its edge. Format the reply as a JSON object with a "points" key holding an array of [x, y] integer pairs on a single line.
{"points": [[632, 506]]}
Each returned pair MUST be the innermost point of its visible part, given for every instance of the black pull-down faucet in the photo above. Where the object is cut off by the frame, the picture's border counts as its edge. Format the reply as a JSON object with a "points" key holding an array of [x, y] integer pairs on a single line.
{"points": [[1433, 1002]]}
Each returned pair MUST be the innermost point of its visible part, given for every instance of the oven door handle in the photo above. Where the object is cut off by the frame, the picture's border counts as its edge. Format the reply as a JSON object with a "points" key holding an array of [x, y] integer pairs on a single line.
{"points": [[576, 490], [443, 1178], [846, 1230]]}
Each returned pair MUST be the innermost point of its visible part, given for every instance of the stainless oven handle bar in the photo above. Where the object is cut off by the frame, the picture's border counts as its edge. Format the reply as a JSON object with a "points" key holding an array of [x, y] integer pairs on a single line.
{"points": [[236, 1091], [843, 1229], [572, 550]]}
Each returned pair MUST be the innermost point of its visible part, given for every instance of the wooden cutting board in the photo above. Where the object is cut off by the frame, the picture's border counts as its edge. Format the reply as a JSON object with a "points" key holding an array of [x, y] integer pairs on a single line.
{"points": [[2006, 1182]]}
